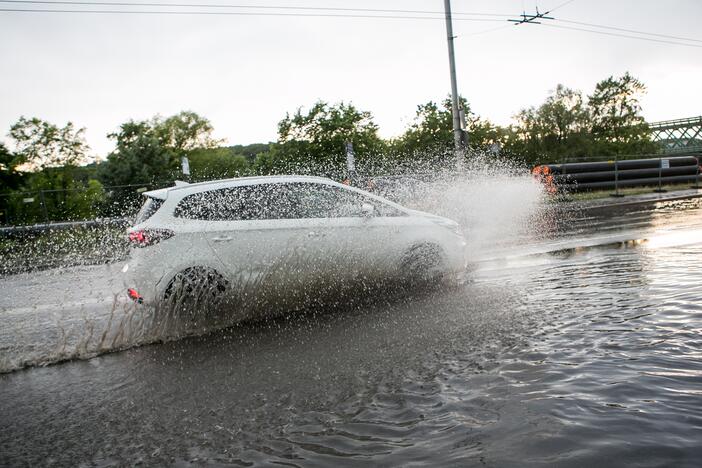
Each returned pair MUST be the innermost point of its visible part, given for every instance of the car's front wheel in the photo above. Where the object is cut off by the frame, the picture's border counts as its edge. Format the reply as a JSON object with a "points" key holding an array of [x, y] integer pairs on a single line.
{"points": [[423, 263]]}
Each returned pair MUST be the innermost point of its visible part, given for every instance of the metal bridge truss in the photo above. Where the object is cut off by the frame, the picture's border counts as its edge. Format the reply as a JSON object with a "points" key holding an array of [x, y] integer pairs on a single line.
{"points": [[678, 136]]}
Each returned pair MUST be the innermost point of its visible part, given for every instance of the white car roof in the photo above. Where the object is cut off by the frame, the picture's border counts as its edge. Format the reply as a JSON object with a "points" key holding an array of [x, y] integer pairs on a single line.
{"points": [[213, 184]]}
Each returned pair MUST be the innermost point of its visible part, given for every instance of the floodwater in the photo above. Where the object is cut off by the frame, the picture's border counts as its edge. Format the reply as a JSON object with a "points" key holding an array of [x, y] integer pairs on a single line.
{"points": [[575, 347]]}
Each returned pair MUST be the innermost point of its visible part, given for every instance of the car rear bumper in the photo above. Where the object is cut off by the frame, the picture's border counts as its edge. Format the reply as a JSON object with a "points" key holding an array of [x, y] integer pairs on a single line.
{"points": [[141, 282]]}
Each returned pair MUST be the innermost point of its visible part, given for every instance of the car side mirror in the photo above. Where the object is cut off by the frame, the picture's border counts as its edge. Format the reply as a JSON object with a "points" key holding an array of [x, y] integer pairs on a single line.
{"points": [[367, 210]]}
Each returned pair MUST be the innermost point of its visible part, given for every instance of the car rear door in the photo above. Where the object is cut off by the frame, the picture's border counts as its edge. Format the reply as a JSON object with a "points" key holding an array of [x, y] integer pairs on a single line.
{"points": [[264, 246]]}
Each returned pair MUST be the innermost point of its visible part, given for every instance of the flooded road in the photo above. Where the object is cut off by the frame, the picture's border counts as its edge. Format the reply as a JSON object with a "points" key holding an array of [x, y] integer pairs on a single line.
{"points": [[581, 345]]}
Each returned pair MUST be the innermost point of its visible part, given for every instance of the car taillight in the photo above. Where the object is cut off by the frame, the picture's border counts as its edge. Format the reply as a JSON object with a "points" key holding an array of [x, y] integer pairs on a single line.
{"points": [[135, 296], [146, 237]]}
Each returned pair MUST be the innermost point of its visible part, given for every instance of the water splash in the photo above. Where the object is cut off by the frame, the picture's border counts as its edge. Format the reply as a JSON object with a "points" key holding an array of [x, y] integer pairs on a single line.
{"points": [[494, 200]]}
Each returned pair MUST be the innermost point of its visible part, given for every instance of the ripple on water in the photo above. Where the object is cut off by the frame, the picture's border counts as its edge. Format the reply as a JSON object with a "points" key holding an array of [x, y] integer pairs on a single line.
{"points": [[593, 357]]}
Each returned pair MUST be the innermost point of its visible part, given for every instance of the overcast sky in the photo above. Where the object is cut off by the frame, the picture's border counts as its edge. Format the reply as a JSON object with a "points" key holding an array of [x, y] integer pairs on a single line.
{"points": [[245, 72]]}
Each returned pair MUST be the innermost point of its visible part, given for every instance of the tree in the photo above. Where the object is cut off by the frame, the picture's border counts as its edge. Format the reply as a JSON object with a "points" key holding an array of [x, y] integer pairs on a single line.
{"points": [[431, 130], [85, 202], [315, 141], [251, 151], [41, 144], [430, 136], [566, 126], [557, 128], [10, 177], [184, 131], [55, 195], [617, 124], [149, 151], [217, 163], [139, 158]]}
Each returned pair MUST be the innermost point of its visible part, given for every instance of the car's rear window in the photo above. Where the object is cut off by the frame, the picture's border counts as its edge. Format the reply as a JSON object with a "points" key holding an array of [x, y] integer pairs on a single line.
{"points": [[151, 206]]}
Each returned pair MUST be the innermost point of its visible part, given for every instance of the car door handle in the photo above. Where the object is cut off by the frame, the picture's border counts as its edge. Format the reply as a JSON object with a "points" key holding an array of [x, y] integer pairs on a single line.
{"points": [[222, 239], [315, 234]]}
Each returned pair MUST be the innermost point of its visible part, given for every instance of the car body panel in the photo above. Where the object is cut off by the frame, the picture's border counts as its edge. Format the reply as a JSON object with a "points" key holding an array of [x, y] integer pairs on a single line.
{"points": [[286, 255]]}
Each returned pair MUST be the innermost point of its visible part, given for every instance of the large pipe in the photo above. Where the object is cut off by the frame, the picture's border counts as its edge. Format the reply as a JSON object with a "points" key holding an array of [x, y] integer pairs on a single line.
{"points": [[636, 182], [583, 177], [631, 172], [651, 163]]}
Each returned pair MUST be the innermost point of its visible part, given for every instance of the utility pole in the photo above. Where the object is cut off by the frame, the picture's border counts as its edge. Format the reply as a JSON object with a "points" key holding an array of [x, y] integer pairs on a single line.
{"points": [[458, 138]]}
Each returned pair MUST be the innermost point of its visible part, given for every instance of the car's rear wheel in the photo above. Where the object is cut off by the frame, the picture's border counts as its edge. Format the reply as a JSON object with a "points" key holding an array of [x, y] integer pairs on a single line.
{"points": [[196, 286], [423, 263]]}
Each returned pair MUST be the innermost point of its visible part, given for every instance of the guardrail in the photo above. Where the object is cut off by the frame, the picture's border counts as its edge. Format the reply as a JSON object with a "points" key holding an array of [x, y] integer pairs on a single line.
{"points": [[9, 231]]}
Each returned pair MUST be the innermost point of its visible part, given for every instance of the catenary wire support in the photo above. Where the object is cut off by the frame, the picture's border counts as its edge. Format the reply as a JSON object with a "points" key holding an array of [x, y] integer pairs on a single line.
{"points": [[531, 18]]}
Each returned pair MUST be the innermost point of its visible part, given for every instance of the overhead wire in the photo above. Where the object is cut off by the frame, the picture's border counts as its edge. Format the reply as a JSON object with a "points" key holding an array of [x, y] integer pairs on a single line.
{"points": [[328, 12], [640, 35], [236, 13], [628, 30], [241, 6], [605, 33], [486, 31], [559, 6]]}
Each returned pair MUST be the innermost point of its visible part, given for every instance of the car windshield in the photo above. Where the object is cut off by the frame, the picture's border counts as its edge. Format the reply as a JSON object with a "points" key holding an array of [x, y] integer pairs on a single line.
{"points": [[150, 206]]}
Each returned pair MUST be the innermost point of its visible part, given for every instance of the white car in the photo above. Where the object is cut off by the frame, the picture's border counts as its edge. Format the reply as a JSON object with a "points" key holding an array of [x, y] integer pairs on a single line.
{"points": [[286, 236]]}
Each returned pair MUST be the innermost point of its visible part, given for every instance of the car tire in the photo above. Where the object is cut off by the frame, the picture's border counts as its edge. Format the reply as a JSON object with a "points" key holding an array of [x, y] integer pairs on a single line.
{"points": [[196, 286], [423, 263]]}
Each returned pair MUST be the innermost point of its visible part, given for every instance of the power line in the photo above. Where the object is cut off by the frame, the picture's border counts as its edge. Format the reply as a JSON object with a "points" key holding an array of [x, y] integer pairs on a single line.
{"points": [[478, 33], [531, 19], [628, 30], [559, 6], [244, 6], [549, 25], [326, 12], [235, 13]]}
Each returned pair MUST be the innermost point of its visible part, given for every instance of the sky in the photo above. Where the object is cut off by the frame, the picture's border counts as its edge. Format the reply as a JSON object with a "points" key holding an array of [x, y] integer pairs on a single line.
{"points": [[244, 73]]}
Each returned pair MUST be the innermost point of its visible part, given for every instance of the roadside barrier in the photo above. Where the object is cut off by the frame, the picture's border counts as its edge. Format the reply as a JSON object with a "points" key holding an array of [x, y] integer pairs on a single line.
{"points": [[615, 174], [11, 231]]}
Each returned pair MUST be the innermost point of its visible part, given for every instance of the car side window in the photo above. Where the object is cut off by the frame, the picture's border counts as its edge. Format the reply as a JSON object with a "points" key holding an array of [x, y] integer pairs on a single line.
{"points": [[326, 201], [197, 206], [242, 203], [278, 201]]}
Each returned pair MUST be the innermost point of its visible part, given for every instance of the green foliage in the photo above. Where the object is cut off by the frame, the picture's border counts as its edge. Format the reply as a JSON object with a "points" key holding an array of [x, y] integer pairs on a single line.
{"points": [[431, 130], [10, 177], [138, 159], [41, 144], [184, 132], [430, 136], [565, 126], [251, 151], [217, 163], [617, 124], [54, 194], [149, 151], [558, 128], [315, 141]]}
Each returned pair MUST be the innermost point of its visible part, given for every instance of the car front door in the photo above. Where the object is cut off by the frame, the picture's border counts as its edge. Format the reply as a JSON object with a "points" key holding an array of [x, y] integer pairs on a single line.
{"points": [[355, 237], [267, 249]]}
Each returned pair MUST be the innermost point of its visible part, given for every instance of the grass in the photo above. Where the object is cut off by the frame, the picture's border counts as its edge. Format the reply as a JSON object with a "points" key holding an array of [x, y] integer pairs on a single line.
{"points": [[628, 191]]}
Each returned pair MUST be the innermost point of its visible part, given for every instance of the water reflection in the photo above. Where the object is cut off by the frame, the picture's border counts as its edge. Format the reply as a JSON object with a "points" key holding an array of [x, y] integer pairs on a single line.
{"points": [[588, 356]]}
